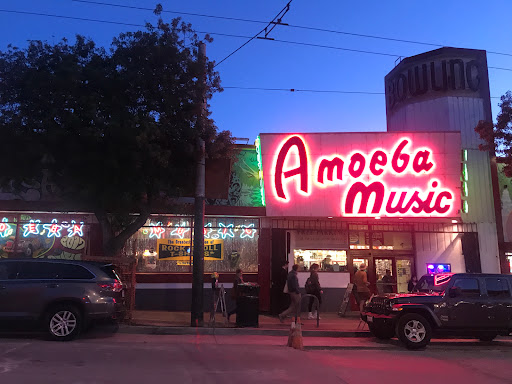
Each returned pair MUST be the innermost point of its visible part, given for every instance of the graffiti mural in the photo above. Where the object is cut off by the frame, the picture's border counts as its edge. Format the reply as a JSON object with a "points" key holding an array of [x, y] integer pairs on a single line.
{"points": [[244, 189]]}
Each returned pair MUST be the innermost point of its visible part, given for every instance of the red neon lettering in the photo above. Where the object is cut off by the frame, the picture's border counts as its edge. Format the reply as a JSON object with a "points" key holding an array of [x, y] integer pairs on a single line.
{"points": [[301, 170], [376, 187], [356, 158], [439, 200], [403, 157], [329, 165], [379, 158], [3, 227], [399, 207], [421, 162]]}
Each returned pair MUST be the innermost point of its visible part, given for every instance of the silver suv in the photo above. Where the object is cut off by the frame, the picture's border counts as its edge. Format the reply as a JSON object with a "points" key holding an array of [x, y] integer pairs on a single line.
{"points": [[63, 296]]}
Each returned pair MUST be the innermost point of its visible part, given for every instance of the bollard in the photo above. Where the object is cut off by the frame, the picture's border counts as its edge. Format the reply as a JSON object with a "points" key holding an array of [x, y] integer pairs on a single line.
{"points": [[295, 336]]}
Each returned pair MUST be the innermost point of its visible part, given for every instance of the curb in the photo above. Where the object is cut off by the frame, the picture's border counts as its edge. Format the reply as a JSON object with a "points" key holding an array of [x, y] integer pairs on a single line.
{"points": [[167, 330]]}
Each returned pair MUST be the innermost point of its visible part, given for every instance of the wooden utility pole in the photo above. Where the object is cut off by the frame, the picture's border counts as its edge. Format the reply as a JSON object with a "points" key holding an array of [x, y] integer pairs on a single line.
{"points": [[197, 309]]}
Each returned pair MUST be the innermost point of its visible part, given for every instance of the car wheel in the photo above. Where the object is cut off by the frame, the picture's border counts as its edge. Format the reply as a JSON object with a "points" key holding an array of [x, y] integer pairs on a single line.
{"points": [[382, 332], [487, 336], [414, 331], [63, 322]]}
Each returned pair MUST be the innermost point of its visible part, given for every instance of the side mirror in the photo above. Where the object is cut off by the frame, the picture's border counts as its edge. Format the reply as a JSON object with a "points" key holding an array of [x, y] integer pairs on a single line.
{"points": [[453, 292]]}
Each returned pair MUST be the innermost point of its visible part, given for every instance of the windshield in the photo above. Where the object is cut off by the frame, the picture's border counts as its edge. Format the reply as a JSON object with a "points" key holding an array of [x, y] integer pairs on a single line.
{"points": [[433, 283], [110, 271]]}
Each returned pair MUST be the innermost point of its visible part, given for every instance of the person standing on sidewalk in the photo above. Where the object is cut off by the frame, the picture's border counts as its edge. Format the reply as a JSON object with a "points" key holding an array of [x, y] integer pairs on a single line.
{"points": [[362, 284], [293, 290], [280, 282], [234, 291], [313, 288]]}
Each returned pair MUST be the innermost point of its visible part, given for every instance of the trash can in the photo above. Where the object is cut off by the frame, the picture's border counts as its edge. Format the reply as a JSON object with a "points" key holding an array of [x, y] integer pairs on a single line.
{"points": [[247, 305]]}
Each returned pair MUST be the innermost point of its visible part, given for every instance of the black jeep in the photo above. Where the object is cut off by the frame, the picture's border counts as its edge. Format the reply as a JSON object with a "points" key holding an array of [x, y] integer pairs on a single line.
{"points": [[460, 304]]}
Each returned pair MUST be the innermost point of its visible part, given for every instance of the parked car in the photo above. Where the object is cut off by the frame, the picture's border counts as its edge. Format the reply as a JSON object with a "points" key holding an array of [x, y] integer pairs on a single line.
{"points": [[63, 296], [462, 304]]}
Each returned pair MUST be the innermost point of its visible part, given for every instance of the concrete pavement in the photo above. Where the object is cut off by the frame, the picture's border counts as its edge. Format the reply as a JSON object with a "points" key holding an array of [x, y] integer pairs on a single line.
{"points": [[106, 357]]}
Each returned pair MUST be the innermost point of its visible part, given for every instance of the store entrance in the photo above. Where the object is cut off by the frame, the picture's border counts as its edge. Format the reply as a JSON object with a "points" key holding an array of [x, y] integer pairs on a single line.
{"points": [[391, 274]]}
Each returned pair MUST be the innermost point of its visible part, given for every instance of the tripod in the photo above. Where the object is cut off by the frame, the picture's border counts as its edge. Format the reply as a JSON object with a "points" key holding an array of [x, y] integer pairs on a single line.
{"points": [[219, 300]]}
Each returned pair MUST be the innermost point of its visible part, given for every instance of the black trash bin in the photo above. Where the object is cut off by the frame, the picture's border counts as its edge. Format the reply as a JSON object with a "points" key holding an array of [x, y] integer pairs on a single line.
{"points": [[247, 305]]}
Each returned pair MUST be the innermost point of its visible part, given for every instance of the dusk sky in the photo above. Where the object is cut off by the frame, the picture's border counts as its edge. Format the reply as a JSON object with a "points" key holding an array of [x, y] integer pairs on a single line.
{"points": [[276, 64]]}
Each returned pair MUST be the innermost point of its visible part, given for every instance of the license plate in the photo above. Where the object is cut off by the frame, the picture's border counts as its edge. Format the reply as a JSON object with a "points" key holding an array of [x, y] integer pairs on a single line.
{"points": [[369, 319]]}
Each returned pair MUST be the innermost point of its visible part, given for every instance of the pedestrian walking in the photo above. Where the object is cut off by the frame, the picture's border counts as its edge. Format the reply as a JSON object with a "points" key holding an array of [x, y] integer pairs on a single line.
{"points": [[313, 288], [292, 283], [362, 284], [235, 293]]}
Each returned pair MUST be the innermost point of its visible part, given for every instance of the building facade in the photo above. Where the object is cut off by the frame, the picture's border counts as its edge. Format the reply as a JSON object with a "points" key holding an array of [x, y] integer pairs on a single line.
{"points": [[418, 198]]}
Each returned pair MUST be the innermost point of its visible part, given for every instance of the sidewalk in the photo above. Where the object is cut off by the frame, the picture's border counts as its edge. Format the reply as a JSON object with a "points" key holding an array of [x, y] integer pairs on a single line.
{"points": [[178, 323]]}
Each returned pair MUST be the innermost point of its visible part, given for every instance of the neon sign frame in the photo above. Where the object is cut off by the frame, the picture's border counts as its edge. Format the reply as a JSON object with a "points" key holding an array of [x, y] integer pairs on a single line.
{"points": [[365, 177]]}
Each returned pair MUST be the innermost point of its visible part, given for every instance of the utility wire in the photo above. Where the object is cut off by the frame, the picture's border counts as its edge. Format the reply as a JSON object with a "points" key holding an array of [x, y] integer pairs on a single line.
{"points": [[278, 17], [286, 25], [218, 34], [293, 90]]}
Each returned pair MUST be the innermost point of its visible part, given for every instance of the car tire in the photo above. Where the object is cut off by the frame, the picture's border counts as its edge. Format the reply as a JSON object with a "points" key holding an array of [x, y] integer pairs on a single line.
{"points": [[382, 332], [414, 331], [487, 337], [63, 322]]}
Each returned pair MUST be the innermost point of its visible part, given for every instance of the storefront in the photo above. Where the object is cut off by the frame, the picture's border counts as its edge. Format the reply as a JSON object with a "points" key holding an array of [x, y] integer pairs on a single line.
{"points": [[418, 198], [391, 201]]}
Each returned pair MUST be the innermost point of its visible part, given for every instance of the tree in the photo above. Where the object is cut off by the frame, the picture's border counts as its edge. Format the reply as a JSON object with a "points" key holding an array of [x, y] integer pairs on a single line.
{"points": [[498, 137], [113, 129]]}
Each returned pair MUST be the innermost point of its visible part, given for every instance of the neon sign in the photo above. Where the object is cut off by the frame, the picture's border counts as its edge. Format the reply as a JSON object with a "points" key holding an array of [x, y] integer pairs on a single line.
{"points": [[52, 229], [5, 228], [248, 231], [226, 230], [180, 231], [395, 179], [156, 230], [32, 228]]}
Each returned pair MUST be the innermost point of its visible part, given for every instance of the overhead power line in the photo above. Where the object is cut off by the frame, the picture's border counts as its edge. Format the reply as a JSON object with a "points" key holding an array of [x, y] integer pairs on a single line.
{"points": [[304, 90], [286, 25], [271, 24], [219, 34], [293, 90]]}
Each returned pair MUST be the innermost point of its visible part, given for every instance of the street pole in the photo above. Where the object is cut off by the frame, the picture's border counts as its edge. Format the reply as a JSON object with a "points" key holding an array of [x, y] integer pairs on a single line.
{"points": [[197, 310]]}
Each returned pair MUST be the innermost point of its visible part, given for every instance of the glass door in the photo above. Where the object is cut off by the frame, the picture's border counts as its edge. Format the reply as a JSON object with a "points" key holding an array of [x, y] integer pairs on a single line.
{"points": [[403, 274], [384, 275]]}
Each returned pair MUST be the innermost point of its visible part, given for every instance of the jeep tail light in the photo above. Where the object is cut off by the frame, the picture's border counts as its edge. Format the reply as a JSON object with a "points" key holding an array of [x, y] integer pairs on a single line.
{"points": [[116, 286]]}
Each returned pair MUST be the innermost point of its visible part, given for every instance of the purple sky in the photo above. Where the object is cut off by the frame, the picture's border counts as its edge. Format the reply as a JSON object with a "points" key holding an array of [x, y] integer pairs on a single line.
{"points": [[271, 64]]}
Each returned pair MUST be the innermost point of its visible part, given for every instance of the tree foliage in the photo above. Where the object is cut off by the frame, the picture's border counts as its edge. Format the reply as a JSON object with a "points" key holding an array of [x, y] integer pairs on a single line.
{"points": [[115, 129], [498, 136]]}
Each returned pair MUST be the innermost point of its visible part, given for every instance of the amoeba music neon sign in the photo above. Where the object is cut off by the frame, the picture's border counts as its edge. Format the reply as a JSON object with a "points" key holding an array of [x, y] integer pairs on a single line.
{"points": [[402, 179]]}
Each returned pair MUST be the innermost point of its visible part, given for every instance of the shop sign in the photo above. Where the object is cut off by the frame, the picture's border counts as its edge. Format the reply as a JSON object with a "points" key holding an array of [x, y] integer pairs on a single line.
{"points": [[362, 174], [179, 249]]}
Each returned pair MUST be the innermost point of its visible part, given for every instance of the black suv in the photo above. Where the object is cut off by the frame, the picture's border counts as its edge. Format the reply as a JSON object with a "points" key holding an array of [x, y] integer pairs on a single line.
{"points": [[64, 296], [459, 304]]}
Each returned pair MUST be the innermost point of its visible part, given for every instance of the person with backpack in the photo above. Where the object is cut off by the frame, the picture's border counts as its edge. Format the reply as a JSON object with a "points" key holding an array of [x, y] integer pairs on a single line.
{"points": [[313, 288]]}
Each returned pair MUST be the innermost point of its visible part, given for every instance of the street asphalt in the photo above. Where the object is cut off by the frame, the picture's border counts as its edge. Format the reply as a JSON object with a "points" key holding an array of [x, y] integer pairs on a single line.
{"points": [[107, 356]]}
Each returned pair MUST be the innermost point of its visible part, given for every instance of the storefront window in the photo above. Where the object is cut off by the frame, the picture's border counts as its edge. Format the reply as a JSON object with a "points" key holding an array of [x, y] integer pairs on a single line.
{"points": [[328, 260], [392, 241], [43, 236], [165, 245], [359, 240]]}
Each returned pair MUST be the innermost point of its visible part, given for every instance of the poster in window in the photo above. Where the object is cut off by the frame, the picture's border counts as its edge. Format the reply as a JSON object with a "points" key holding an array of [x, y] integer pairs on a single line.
{"points": [[179, 249]]}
